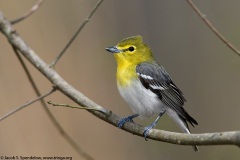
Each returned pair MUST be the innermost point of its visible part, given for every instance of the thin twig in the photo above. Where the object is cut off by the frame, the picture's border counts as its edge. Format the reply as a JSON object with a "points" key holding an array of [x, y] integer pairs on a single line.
{"points": [[215, 31], [29, 13], [76, 34], [60, 129], [77, 107], [26, 104]]}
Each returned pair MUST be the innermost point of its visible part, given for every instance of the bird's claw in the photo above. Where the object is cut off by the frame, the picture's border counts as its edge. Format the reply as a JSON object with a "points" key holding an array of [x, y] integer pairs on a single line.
{"points": [[123, 121], [127, 119], [146, 131]]}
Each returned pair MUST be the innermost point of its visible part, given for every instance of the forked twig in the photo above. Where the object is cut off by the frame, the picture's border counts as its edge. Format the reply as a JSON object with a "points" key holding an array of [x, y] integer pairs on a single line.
{"points": [[215, 31], [76, 34], [29, 13]]}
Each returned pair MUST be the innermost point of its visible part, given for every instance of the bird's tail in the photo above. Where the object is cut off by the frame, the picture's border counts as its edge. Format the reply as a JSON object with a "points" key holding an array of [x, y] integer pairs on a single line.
{"points": [[182, 123], [184, 126], [195, 148]]}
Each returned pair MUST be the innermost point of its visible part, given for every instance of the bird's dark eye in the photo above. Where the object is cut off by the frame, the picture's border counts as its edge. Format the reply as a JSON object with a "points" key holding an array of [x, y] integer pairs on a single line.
{"points": [[131, 49]]}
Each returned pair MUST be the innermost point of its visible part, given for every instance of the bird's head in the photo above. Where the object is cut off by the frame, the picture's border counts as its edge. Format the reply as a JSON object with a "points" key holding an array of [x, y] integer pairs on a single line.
{"points": [[131, 50]]}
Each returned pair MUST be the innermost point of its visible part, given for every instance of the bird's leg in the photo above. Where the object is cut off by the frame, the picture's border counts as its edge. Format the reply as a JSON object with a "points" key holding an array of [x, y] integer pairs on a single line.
{"points": [[127, 119], [148, 128]]}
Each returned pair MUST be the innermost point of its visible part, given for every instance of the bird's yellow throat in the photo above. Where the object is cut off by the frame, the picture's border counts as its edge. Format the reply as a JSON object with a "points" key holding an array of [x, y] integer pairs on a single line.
{"points": [[125, 71]]}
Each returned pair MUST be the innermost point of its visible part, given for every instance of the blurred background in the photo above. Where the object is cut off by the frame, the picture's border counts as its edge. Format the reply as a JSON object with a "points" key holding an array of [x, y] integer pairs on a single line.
{"points": [[199, 63]]}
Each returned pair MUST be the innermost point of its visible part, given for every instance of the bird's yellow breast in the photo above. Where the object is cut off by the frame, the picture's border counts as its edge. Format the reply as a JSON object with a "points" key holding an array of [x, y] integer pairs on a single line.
{"points": [[126, 72]]}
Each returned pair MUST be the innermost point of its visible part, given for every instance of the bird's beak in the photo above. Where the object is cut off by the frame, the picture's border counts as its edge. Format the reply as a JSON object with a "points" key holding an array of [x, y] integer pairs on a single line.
{"points": [[113, 49]]}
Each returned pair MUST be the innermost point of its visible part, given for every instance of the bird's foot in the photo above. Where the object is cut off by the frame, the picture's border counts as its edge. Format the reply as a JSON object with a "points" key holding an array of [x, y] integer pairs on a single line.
{"points": [[127, 119], [147, 129]]}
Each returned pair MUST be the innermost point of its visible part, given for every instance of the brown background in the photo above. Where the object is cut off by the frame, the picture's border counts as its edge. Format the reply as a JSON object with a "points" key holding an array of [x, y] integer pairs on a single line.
{"points": [[200, 64]]}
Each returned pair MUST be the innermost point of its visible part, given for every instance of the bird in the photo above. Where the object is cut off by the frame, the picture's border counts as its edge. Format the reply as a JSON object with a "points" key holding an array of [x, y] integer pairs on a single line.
{"points": [[147, 87]]}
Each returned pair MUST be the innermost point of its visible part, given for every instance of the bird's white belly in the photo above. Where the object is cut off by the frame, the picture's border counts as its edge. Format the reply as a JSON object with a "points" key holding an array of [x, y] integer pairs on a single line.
{"points": [[141, 100]]}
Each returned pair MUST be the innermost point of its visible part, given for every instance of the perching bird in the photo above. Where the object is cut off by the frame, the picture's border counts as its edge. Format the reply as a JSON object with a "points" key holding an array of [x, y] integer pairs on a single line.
{"points": [[146, 86]]}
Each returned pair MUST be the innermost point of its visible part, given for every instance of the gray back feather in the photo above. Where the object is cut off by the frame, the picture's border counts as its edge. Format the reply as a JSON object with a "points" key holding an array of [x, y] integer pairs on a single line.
{"points": [[156, 78]]}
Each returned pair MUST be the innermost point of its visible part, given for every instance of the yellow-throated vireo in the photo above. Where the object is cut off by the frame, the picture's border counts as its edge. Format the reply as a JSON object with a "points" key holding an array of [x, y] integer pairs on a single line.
{"points": [[146, 86]]}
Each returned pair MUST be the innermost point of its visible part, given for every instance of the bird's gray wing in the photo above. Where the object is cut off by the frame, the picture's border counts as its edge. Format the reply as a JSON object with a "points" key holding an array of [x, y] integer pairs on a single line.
{"points": [[155, 78]]}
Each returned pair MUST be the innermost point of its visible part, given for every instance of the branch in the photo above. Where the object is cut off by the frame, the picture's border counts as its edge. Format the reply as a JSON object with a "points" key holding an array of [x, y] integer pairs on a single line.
{"points": [[214, 30], [29, 13], [26, 104], [76, 34], [60, 129], [222, 138]]}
